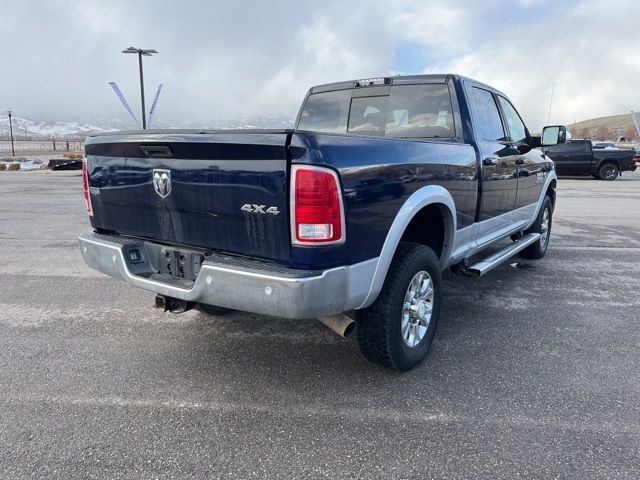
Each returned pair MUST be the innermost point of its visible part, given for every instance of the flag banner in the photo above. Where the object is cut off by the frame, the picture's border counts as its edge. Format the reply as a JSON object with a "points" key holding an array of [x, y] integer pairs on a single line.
{"points": [[124, 102], [635, 121], [153, 105]]}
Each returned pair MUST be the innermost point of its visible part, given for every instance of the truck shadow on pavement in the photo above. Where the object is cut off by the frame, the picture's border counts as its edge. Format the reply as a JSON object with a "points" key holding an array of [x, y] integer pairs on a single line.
{"points": [[285, 359]]}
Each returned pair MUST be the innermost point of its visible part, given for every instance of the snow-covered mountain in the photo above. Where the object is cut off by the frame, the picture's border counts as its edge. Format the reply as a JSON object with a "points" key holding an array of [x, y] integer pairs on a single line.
{"points": [[34, 129], [254, 122], [48, 128], [229, 124]]}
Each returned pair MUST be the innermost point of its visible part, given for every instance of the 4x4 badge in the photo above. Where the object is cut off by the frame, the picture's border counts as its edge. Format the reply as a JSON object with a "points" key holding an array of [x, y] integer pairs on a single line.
{"points": [[251, 208], [162, 182]]}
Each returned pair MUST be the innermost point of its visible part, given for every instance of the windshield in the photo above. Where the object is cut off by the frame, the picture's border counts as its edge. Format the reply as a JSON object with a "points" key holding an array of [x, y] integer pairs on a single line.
{"points": [[408, 111]]}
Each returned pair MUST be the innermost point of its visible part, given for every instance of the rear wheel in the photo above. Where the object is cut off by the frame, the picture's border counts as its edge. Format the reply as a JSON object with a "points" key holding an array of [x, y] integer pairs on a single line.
{"points": [[608, 171], [396, 331], [214, 310], [542, 226]]}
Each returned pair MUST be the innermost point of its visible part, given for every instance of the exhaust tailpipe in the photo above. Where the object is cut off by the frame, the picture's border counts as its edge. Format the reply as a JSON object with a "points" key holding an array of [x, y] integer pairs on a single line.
{"points": [[341, 324]]}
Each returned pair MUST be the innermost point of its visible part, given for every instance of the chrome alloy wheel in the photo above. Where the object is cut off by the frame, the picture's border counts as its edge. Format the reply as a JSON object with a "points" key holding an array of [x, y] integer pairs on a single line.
{"points": [[417, 308], [544, 227], [609, 172]]}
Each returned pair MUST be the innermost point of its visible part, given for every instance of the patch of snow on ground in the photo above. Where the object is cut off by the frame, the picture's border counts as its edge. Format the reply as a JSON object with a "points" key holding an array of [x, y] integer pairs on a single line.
{"points": [[30, 165]]}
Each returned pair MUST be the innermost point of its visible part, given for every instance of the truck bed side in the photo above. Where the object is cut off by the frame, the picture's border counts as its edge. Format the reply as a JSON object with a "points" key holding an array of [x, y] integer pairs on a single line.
{"points": [[378, 176]]}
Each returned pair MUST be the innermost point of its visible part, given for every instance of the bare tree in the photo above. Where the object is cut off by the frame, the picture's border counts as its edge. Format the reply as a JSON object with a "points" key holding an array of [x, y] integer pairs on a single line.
{"points": [[581, 133], [603, 133]]}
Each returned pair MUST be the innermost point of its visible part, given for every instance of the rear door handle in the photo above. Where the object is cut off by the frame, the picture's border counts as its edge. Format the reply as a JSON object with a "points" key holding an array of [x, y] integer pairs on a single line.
{"points": [[490, 161]]}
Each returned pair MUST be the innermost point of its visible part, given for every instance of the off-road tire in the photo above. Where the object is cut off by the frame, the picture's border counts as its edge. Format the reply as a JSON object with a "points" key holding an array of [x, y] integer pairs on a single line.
{"points": [[539, 247], [214, 310], [379, 326], [608, 172]]}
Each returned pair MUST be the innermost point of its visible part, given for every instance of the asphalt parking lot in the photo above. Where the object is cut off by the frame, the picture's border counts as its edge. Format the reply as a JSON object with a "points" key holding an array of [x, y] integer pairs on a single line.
{"points": [[534, 371]]}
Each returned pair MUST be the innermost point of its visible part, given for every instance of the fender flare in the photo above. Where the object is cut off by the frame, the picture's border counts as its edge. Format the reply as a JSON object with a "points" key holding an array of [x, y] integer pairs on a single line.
{"points": [[553, 176], [429, 195], [617, 162]]}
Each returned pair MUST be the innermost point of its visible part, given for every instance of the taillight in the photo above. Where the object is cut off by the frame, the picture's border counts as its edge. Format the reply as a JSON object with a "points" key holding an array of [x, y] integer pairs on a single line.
{"points": [[317, 215], [85, 186]]}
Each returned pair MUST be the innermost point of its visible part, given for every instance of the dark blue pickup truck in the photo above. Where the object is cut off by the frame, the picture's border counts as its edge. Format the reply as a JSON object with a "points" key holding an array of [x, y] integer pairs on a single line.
{"points": [[354, 214]]}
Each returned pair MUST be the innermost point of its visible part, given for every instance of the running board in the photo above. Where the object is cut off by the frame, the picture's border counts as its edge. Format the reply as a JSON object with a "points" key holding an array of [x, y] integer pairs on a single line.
{"points": [[502, 255]]}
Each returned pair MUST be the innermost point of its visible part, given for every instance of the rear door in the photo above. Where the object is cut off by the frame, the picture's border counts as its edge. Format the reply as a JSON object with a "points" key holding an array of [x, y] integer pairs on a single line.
{"points": [[216, 191], [580, 156]]}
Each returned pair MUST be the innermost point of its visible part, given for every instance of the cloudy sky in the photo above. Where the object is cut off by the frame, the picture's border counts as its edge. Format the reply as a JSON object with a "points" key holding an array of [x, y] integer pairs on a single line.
{"points": [[222, 60]]}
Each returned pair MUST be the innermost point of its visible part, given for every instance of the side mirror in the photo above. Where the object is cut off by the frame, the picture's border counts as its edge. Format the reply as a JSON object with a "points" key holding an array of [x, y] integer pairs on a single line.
{"points": [[553, 135]]}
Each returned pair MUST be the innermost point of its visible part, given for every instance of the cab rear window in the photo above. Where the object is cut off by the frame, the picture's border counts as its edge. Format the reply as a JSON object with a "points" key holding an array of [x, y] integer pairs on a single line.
{"points": [[408, 111]]}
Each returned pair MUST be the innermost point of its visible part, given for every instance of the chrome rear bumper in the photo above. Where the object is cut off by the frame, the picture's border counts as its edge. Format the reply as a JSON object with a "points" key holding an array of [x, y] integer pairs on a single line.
{"points": [[236, 283]]}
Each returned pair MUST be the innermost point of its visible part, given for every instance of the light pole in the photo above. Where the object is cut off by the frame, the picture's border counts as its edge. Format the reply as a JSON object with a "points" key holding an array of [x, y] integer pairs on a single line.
{"points": [[146, 53], [13, 150]]}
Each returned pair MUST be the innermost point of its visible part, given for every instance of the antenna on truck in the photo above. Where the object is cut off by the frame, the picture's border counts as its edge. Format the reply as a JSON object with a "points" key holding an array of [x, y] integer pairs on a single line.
{"points": [[550, 103]]}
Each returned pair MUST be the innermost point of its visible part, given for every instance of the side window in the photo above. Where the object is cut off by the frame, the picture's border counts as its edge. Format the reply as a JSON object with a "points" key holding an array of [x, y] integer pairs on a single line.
{"points": [[490, 124], [577, 147], [516, 127], [551, 149], [573, 147]]}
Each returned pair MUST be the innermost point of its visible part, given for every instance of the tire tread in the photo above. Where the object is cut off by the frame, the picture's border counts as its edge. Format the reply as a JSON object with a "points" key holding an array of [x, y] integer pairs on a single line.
{"points": [[374, 328]]}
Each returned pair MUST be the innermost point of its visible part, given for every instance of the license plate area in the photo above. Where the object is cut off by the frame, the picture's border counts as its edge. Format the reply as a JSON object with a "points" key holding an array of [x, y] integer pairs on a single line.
{"points": [[180, 263]]}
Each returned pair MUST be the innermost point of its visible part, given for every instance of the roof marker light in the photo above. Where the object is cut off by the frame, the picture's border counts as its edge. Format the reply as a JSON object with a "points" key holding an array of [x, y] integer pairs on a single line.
{"points": [[372, 82]]}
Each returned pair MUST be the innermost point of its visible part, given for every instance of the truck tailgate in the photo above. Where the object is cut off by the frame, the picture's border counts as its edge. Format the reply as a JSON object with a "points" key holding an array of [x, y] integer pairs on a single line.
{"points": [[202, 182]]}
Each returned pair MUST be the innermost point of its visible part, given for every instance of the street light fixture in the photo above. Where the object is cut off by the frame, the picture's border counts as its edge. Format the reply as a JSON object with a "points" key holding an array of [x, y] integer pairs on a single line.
{"points": [[146, 53], [13, 150]]}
